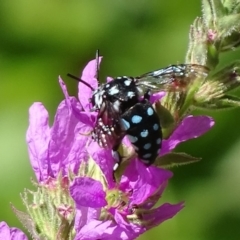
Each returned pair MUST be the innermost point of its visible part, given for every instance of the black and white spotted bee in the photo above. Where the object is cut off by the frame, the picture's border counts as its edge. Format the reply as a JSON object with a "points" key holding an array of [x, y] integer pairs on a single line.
{"points": [[124, 109]]}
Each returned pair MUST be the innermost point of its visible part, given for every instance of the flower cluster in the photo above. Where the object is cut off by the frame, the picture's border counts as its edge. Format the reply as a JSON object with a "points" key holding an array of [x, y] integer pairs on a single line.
{"points": [[77, 196]]}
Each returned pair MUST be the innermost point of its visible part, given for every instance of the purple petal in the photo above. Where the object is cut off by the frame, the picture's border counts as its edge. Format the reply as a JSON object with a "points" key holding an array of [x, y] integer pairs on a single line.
{"points": [[109, 79], [151, 201], [84, 122], [190, 127], [104, 160], [84, 215], [62, 136], [157, 96], [145, 181], [126, 142], [77, 152], [126, 228], [89, 76], [88, 192], [7, 233], [94, 230], [38, 137], [65, 92], [17, 234], [88, 118], [70, 132], [162, 213], [106, 230]]}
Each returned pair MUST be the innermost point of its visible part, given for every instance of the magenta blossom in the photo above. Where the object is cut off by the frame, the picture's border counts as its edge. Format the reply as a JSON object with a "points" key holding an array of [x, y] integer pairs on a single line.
{"points": [[68, 163], [8, 233]]}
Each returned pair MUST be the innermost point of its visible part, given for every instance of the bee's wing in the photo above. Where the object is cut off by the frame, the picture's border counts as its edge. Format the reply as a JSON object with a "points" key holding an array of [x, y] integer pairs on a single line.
{"points": [[173, 77]]}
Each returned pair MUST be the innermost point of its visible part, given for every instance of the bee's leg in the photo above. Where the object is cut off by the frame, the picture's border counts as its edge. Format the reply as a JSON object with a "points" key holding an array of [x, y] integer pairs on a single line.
{"points": [[147, 94], [117, 158]]}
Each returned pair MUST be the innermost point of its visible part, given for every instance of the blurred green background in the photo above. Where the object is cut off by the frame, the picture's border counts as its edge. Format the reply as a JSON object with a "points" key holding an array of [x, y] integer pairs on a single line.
{"points": [[40, 40]]}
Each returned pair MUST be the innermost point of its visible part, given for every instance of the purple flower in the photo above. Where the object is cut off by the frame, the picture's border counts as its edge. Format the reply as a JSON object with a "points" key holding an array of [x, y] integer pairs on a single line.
{"points": [[124, 211], [8, 233], [69, 164]]}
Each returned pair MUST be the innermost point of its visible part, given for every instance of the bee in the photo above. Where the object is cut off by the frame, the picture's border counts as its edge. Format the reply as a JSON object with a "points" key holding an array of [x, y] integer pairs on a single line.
{"points": [[124, 109]]}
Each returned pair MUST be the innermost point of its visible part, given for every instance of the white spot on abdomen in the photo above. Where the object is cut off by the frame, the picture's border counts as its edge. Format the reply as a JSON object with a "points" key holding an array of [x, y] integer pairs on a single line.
{"points": [[136, 119], [147, 155], [147, 146], [150, 111], [144, 133], [125, 124]]}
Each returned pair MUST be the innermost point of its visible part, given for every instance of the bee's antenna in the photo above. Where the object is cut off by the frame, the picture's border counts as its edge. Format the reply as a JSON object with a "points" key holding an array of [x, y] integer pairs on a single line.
{"points": [[96, 74], [97, 64], [80, 80]]}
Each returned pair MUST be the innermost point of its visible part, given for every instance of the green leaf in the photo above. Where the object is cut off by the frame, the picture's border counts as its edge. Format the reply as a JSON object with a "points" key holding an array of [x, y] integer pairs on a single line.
{"points": [[175, 159]]}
